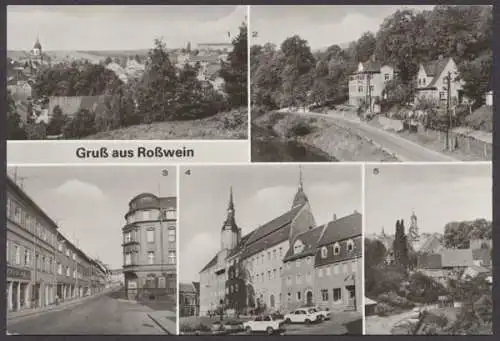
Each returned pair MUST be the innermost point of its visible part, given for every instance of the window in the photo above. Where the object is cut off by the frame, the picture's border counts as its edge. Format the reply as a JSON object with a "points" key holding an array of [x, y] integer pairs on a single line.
{"points": [[324, 295], [328, 271], [51, 269], [298, 279], [442, 95], [73, 256], [423, 81], [281, 252], [360, 89], [350, 245], [171, 235], [298, 296], [128, 237], [59, 269], [9, 208], [67, 271], [128, 259], [257, 277], [308, 277], [268, 255], [324, 252], [150, 235], [44, 264], [320, 273], [17, 251], [274, 254], [262, 277], [268, 274], [297, 263], [27, 257], [170, 214], [337, 295], [37, 261], [171, 257], [387, 76], [60, 247], [151, 257], [7, 251], [274, 273], [336, 249], [67, 252]]}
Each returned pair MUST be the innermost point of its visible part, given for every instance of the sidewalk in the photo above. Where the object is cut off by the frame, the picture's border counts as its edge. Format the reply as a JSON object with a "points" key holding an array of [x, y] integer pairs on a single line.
{"points": [[14, 315], [165, 319]]}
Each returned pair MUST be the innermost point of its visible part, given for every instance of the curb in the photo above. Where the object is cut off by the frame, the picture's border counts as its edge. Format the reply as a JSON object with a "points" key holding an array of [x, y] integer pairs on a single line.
{"points": [[161, 326]]}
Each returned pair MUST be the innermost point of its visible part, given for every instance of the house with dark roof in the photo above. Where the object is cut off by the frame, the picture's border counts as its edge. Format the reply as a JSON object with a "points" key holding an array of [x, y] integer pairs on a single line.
{"points": [[432, 82], [338, 265], [247, 270], [367, 84], [446, 264]]}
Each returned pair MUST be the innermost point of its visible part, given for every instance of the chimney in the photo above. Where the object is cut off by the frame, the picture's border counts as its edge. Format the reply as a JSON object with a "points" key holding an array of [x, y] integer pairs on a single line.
{"points": [[334, 217], [355, 211]]}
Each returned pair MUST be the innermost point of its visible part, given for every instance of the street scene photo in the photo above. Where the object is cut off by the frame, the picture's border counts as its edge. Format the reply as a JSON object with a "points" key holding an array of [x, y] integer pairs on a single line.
{"points": [[371, 83], [270, 249], [428, 249], [91, 250], [127, 72]]}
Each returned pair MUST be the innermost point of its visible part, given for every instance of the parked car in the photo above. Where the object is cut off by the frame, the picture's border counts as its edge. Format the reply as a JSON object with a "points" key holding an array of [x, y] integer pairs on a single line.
{"points": [[325, 314], [303, 315], [270, 324]]}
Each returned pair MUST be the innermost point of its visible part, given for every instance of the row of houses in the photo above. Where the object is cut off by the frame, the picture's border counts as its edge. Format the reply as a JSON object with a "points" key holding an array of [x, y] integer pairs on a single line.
{"points": [[367, 84], [288, 262], [43, 266]]}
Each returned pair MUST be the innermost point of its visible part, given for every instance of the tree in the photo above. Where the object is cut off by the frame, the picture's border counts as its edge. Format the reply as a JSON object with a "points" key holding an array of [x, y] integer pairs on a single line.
{"points": [[156, 94], [457, 235], [108, 61], [15, 129], [235, 71], [81, 125], [400, 245], [57, 121], [364, 47]]}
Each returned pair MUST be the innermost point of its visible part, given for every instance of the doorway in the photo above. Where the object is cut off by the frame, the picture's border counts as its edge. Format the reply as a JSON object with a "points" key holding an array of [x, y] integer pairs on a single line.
{"points": [[309, 298]]}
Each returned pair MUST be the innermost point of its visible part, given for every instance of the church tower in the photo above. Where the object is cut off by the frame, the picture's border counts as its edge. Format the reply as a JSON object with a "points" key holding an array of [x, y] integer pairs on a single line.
{"points": [[36, 54], [413, 233], [230, 234], [300, 196]]}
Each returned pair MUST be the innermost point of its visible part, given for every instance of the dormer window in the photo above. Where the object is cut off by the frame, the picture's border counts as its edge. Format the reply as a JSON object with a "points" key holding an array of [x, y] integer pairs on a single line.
{"points": [[324, 252], [350, 245], [298, 247], [336, 249]]}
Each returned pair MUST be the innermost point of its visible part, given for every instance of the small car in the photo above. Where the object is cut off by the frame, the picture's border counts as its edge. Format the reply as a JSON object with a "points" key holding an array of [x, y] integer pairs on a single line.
{"points": [[303, 315], [270, 324], [325, 314]]}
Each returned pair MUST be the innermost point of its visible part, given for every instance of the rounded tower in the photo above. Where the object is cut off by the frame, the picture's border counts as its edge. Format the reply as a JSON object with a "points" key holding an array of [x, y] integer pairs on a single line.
{"points": [[230, 232]]}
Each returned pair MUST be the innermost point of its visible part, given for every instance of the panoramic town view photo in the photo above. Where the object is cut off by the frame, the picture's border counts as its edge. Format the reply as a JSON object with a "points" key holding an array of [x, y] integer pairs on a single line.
{"points": [[428, 249], [91, 250], [386, 83], [127, 72], [270, 249]]}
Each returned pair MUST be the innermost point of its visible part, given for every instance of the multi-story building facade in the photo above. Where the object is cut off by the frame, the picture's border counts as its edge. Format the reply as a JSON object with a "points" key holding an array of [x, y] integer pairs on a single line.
{"points": [[30, 252], [189, 299], [43, 267], [367, 84], [149, 246], [256, 259], [338, 265], [298, 275]]}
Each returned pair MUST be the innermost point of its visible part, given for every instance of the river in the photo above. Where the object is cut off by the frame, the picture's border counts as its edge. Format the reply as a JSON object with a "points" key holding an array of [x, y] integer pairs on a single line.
{"points": [[277, 150]]}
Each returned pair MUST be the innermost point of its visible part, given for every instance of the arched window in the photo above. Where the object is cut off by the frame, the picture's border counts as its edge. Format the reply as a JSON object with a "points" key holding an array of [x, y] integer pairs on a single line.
{"points": [[324, 252], [336, 249]]}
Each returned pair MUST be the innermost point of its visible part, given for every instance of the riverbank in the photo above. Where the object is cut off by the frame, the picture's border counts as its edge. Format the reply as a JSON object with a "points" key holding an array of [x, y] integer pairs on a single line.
{"points": [[326, 138]]}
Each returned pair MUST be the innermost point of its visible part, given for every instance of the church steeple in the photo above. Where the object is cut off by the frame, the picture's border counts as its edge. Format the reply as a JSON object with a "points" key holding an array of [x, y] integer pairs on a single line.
{"points": [[300, 196], [230, 223]]}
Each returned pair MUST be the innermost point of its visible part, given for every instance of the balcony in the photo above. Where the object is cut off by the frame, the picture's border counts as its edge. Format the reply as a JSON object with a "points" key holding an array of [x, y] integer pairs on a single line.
{"points": [[130, 242]]}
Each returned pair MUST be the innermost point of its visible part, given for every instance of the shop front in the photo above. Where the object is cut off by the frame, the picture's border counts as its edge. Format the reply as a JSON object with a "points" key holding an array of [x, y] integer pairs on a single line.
{"points": [[18, 288]]}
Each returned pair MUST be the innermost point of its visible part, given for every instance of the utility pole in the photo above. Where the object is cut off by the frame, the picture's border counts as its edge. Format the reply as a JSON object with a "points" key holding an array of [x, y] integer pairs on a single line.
{"points": [[368, 76], [448, 111]]}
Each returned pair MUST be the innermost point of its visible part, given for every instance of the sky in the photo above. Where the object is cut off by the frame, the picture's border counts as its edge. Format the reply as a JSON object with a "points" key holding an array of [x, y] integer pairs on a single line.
{"points": [[321, 26], [261, 193], [89, 203], [438, 194], [84, 28]]}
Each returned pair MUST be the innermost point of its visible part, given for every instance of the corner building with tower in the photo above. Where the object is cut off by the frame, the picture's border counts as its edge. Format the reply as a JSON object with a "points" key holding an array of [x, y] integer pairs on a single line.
{"points": [[149, 246], [253, 272]]}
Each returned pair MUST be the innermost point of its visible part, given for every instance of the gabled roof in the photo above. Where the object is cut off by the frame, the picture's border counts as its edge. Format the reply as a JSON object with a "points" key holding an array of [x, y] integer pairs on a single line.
{"points": [[434, 69], [309, 239], [340, 229], [274, 224], [212, 262], [451, 258]]}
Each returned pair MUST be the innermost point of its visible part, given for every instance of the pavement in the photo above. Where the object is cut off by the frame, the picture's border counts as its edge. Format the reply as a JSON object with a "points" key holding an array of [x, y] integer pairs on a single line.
{"points": [[403, 149], [97, 315]]}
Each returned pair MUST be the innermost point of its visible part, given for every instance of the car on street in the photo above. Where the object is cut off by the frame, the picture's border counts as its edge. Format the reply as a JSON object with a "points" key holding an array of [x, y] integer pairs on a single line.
{"points": [[303, 315], [269, 324], [325, 314]]}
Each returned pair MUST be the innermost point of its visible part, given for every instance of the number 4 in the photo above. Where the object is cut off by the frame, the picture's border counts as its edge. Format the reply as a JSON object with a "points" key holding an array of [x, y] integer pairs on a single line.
{"points": [[188, 172]]}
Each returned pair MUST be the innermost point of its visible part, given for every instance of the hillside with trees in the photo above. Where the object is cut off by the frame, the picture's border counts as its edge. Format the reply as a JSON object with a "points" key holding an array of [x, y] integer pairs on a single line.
{"points": [[291, 75], [164, 93]]}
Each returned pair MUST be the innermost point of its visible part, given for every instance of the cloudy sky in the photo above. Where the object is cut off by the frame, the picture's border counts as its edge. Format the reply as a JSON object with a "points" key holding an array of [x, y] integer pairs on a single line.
{"points": [[321, 26], [261, 193], [89, 203], [439, 194], [119, 27]]}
